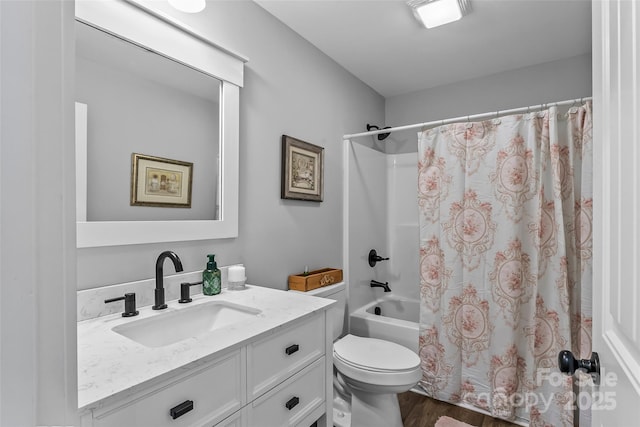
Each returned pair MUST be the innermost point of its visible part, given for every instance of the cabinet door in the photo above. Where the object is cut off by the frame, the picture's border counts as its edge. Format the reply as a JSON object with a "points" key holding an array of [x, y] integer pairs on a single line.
{"points": [[276, 357], [204, 397]]}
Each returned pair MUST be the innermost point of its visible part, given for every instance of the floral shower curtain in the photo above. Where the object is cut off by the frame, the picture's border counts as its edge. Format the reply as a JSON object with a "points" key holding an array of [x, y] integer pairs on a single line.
{"points": [[505, 261]]}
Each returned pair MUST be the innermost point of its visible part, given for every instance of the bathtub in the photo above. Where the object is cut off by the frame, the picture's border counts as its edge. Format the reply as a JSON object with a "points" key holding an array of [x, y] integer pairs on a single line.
{"points": [[397, 321]]}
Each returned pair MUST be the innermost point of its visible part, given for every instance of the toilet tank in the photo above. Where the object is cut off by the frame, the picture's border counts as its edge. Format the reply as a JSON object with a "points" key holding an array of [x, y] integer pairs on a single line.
{"points": [[338, 312]]}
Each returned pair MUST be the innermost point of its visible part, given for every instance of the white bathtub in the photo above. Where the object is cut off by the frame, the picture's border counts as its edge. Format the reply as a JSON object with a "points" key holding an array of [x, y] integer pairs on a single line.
{"points": [[397, 321]]}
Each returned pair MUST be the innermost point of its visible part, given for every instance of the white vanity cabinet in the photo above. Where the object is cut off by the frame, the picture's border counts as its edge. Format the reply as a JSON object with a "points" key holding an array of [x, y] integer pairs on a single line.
{"points": [[238, 419], [286, 376], [277, 356], [280, 378], [297, 401], [201, 396]]}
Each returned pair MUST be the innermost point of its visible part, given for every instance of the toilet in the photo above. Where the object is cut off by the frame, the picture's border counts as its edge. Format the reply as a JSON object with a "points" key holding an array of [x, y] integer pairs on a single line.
{"points": [[368, 372]]}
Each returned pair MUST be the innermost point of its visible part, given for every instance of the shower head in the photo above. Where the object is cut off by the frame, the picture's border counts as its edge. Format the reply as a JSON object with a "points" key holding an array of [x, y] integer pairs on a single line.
{"points": [[381, 136]]}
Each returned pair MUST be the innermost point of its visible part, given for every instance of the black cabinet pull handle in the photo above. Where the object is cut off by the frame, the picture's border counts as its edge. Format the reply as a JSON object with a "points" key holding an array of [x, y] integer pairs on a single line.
{"points": [[181, 409], [291, 349], [292, 403]]}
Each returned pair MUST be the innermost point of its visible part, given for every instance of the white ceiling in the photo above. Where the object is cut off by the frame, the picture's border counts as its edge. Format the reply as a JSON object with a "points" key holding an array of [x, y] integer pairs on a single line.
{"points": [[382, 44]]}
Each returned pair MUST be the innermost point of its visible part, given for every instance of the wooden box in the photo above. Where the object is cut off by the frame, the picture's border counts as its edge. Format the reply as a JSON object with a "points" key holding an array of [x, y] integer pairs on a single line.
{"points": [[315, 279]]}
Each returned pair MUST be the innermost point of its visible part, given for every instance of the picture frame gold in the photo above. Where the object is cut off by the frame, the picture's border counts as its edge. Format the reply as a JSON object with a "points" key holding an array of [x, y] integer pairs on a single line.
{"points": [[160, 182], [302, 170]]}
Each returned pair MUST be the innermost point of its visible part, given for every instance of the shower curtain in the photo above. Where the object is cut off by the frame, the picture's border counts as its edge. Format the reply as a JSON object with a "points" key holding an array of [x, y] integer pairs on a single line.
{"points": [[505, 261]]}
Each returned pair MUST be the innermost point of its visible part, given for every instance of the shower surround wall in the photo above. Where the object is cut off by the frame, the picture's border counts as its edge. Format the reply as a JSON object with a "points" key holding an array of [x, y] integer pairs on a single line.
{"points": [[383, 215], [402, 225], [367, 221]]}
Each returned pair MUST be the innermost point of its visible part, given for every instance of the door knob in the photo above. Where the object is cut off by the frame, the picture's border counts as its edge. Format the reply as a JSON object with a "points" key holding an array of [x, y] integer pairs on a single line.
{"points": [[568, 364]]}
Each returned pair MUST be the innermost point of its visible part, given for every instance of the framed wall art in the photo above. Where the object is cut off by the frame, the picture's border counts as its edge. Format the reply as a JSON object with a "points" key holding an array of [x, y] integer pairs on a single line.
{"points": [[156, 181], [302, 170]]}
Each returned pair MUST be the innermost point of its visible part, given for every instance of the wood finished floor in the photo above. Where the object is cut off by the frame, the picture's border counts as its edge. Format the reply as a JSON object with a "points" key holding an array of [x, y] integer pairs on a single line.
{"points": [[421, 411]]}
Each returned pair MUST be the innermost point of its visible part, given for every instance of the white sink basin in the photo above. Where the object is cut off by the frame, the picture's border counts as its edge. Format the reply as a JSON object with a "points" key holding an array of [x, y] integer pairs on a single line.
{"points": [[171, 327]]}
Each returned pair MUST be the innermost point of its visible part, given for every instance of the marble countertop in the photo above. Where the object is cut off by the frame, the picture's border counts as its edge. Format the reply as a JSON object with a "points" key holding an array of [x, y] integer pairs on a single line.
{"points": [[111, 366]]}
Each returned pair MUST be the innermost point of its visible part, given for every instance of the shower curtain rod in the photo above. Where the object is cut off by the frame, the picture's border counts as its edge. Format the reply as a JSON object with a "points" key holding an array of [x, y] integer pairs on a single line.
{"points": [[469, 118]]}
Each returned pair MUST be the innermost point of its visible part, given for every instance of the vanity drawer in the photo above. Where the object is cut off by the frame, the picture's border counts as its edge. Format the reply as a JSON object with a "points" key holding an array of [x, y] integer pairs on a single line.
{"points": [[216, 391], [276, 357], [297, 400]]}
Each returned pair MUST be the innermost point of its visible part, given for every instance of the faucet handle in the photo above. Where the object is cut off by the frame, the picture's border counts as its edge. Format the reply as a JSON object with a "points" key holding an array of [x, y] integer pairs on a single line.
{"points": [[129, 304], [184, 291], [374, 258]]}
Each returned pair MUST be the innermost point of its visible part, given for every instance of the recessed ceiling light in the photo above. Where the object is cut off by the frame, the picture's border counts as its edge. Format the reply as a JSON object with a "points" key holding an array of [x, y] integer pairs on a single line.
{"points": [[433, 13], [188, 6]]}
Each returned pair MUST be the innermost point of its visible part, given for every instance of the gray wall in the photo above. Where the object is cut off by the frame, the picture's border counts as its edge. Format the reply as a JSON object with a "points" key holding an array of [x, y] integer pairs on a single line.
{"points": [[543, 83], [290, 88]]}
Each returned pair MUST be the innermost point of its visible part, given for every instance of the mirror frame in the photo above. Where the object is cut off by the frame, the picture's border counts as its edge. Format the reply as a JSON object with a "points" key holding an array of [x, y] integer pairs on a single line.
{"points": [[133, 21]]}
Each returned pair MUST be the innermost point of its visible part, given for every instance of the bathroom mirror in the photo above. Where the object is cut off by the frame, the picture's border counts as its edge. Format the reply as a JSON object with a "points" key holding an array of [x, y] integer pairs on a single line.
{"points": [[137, 101], [148, 85]]}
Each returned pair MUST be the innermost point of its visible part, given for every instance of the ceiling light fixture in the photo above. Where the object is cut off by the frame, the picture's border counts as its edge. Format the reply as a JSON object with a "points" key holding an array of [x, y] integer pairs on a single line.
{"points": [[188, 6], [433, 13]]}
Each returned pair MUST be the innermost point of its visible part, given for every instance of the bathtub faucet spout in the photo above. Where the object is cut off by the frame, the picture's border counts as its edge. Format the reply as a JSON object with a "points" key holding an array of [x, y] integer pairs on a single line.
{"points": [[385, 285]]}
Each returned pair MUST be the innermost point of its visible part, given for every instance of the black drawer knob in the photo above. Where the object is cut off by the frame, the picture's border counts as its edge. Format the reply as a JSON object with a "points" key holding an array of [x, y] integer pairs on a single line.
{"points": [[291, 349], [181, 409], [292, 403]]}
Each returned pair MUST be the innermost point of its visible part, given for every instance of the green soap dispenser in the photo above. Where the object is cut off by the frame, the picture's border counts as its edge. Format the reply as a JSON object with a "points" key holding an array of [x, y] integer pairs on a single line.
{"points": [[211, 282]]}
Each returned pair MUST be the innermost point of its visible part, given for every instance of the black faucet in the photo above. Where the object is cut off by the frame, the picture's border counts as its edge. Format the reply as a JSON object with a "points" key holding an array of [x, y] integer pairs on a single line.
{"points": [[129, 304], [159, 291], [184, 291], [385, 285]]}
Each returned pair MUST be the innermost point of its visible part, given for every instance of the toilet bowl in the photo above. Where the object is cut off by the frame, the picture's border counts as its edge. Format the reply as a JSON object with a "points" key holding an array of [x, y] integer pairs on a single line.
{"points": [[375, 371], [369, 372]]}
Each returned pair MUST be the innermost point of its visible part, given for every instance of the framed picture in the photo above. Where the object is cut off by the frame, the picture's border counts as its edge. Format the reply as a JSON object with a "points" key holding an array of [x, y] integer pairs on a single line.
{"points": [[302, 170], [156, 181]]}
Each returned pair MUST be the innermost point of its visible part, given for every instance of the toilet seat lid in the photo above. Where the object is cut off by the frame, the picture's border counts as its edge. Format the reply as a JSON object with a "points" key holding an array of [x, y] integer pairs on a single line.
{"points": [[373, 354]]}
